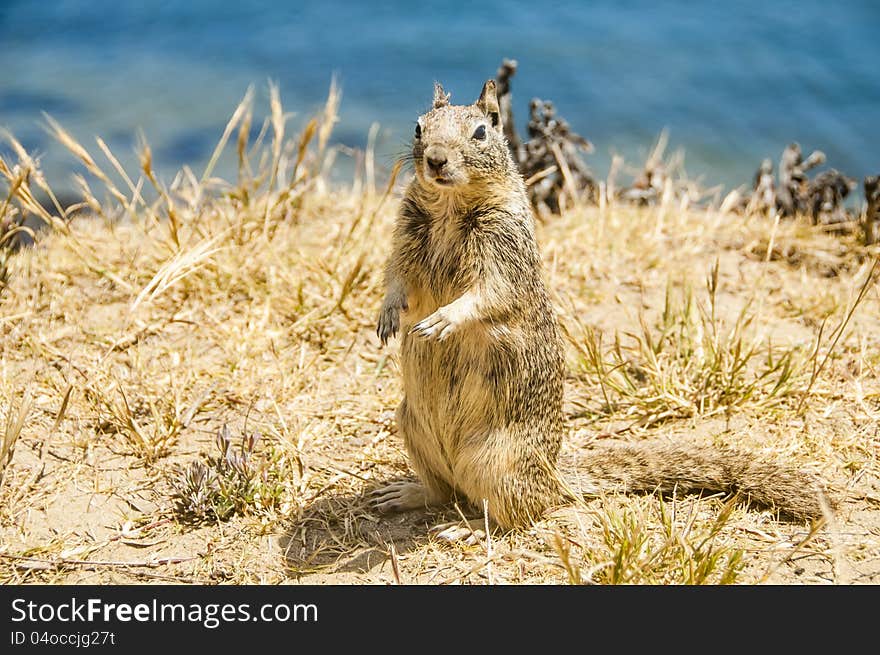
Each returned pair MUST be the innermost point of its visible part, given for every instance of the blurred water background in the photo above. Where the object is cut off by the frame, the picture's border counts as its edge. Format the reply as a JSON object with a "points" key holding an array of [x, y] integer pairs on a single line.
{"points": [[733, 81]]}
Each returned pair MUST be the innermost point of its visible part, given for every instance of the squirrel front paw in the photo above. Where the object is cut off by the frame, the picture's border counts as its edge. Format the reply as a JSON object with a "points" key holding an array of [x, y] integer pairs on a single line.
{"points": [[438, 326], [389, 321]]}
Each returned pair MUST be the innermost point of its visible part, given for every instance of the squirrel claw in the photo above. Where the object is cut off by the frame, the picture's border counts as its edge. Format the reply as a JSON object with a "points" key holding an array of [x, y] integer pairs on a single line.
{"points": [[389, 324], [436, 326], [398, 497], [465, 533]]}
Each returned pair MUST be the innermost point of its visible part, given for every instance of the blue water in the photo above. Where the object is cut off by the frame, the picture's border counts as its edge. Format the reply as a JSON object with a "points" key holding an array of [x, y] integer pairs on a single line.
{"points": [[733, 81]]}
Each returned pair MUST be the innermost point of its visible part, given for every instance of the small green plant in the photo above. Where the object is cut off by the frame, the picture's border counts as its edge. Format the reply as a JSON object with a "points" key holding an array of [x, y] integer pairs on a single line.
{"points": [[669, 548], [239, 480], [150, 427], [691, 364]]}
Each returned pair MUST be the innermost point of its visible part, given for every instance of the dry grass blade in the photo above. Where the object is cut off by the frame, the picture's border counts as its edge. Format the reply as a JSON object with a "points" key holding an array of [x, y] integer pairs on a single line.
{"points": [[356, 223], [20, 177], [835, 336], [568, 180], [62, 410], [31, 173], [304, 140], [14, 424], [64, 137], [146, 158], [242, 111], [370, 159], [279, 119], [119, 169], [244, 131], [178, 267], [330, 117], [563, 551], [395, 565]]}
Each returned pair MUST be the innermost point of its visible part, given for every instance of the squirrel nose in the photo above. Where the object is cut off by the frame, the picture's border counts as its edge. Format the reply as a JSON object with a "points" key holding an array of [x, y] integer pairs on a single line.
{"points": [[436, 158]]}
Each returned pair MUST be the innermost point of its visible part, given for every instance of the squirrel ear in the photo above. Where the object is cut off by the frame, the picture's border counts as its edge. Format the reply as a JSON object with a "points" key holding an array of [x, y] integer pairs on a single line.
{"points": [[488, 104], [441, 98]]}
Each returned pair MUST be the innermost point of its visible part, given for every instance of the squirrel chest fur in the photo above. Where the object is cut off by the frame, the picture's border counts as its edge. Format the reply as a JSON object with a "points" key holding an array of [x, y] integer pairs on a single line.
{"points": [[481, 354]]}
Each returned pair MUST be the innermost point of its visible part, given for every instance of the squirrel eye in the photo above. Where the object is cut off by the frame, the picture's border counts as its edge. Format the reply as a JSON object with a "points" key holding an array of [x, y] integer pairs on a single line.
{"points": [[418, 131], [480, 133]]}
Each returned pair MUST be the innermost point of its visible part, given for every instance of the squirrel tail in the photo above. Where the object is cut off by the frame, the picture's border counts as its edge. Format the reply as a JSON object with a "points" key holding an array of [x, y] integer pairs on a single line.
{"points": [[688, 468]]}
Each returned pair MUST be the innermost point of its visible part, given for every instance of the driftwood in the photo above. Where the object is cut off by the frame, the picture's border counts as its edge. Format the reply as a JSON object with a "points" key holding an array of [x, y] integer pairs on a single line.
{"points": [[553, 152], [872, 213], [820, 198], [763, 198], [502, 86], [550, 159], [648, 186], [661, 178], [792, 194], [826, 193]]}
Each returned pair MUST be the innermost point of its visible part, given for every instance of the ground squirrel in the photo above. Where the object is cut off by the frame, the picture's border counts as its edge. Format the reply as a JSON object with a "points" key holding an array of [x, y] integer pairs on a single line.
{"points": [[481, 353]]}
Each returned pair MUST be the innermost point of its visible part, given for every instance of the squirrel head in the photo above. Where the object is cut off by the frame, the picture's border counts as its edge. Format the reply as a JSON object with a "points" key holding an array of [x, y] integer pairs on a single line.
{"points": [[455, 146]]}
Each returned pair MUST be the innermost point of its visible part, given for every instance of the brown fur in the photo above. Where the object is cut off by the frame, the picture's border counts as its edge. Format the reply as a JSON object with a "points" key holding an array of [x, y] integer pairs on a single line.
{"points": [[481, 353]]}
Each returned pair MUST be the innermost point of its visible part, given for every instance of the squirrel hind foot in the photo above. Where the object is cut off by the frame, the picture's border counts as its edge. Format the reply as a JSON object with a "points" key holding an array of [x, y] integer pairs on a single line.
{"points": [[399, 497], [468, 533]]}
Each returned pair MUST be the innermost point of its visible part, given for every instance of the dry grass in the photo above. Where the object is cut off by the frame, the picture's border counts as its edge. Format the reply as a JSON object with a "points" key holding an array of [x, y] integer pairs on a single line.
{"points": [[148, 338]]}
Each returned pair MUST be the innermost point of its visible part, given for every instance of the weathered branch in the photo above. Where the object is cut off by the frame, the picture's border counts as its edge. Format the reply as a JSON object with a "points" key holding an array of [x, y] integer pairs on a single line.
{"points": [[826, 193], [792, 195], [872, 213], [550, 159]]}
